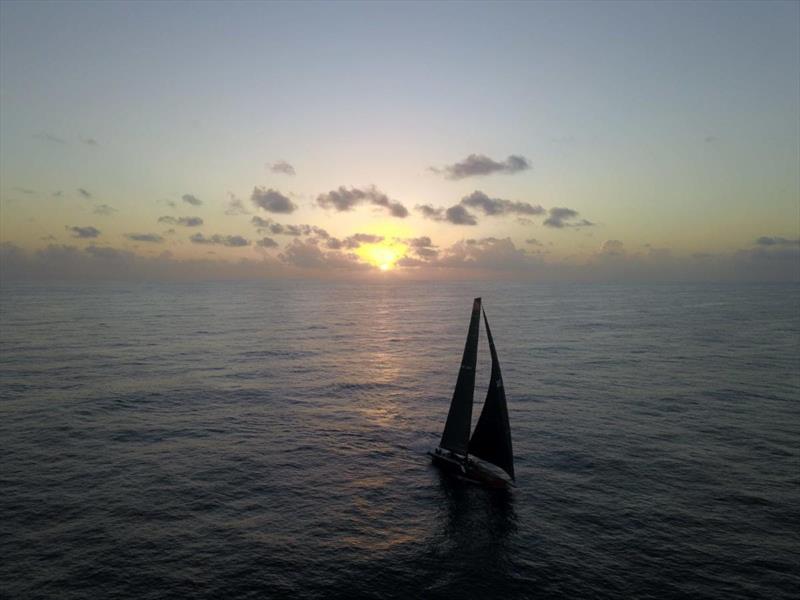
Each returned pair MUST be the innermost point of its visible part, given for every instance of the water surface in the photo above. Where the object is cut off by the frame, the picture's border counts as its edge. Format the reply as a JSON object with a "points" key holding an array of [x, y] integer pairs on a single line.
{"points": [[268, 440]]}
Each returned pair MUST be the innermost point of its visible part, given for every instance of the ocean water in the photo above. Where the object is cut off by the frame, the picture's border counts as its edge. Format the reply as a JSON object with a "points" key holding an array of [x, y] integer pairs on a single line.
{"points": [[268, 440]]}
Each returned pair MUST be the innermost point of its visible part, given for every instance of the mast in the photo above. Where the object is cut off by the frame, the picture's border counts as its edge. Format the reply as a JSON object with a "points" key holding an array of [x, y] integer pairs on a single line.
{"points": [[459, 420], [491, 439]]}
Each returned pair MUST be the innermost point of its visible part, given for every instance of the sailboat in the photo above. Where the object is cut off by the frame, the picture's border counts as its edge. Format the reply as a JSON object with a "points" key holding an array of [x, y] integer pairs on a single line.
{"points": [[473, 458]]}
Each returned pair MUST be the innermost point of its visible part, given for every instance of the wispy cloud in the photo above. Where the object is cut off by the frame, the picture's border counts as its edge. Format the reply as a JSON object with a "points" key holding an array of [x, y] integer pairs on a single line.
{"points": [[191, 199], [184, 221], [478, 165], [89, 141], [104, 210], [430, 212], [272, 201], [233, 241], [282, 167], [107, 253], [612, 248], [22, 190], [83, 192], [235, 206], [144, 237], [344, 199], [49, 137], [83, 232]]}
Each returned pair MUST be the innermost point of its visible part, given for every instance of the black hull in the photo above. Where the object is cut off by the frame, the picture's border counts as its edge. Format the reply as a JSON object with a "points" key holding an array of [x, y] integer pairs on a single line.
{"points": [[468, 470]]}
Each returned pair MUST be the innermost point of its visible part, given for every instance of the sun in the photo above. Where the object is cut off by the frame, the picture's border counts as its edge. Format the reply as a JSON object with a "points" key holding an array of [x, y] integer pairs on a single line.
{"points": [[383, 255]]}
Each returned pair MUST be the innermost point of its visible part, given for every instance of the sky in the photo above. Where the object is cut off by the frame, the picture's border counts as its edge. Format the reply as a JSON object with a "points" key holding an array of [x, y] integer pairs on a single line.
{"points": [[542, 141]]}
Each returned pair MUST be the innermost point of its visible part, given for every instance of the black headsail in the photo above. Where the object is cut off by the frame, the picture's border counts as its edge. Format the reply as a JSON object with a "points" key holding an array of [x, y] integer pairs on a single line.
{"points": [[491, 439], [459, 419]]}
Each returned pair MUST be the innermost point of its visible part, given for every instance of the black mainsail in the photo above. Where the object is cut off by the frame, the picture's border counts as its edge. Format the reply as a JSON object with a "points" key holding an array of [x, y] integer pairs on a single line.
{"points": [[459, 420], [491, 440]]}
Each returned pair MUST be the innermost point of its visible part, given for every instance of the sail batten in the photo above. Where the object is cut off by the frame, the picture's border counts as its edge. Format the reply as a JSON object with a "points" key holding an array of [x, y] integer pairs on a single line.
{"points": [[491, 440], [459, 419]]}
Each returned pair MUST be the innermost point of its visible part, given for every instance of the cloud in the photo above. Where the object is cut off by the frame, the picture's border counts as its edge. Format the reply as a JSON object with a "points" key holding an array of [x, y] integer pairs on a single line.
{"points": [[104, 210], [485, 253], [478, 165], [262, 223], [184, 221], [422, 247], [84, 193], [490, 254], [49, 137], [307, 254], [89, 141], [355, 240], [57, 194], [267, 242], [235, 206], [232, 241], [343, 199], [24, 190], [83, 232], [533, 242], [282, 167], [190, 199], [144, 237], [563, 217], [279, 229], [107, 252], [297, 230], [776, 241], [612, 248], [497, 206], [69, 263], [320, 232], [429, 212], [490, 258], [458, 215], [420, 242], [272, 200]]}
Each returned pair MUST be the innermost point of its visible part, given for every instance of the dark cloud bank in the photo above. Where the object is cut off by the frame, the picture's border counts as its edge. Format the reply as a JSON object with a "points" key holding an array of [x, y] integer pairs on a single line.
{"points": [[482, 258]]}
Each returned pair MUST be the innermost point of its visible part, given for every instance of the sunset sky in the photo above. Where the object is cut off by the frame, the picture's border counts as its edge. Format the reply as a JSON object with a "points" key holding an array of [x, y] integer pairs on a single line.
{"points": [[533, 140]]}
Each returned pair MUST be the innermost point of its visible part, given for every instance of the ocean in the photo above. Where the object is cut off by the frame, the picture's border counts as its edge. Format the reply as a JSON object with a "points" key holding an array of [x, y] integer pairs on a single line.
{"points": [[268, 440]]}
